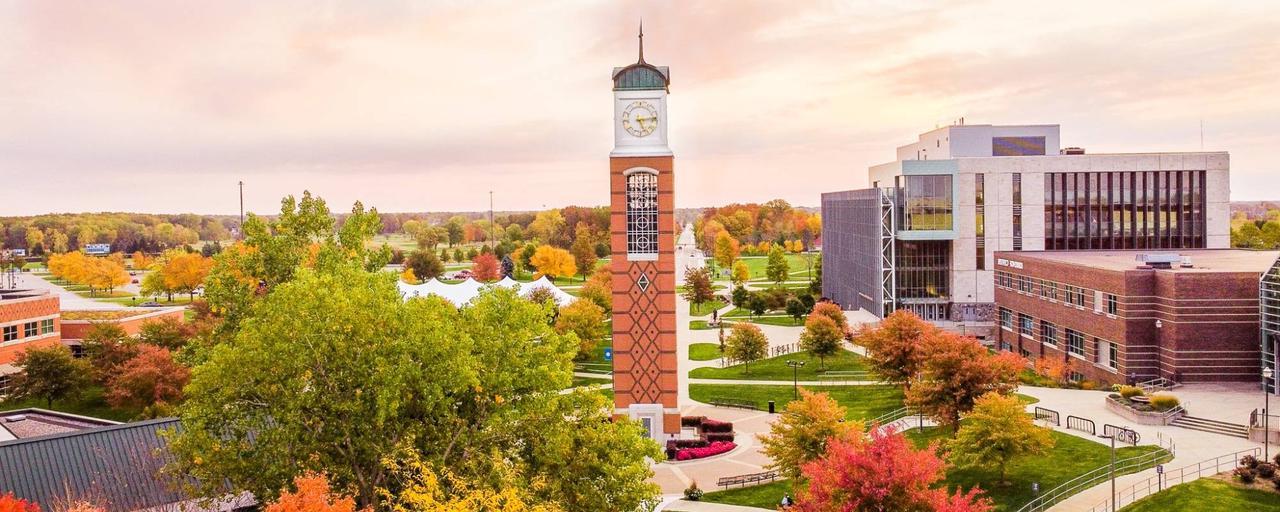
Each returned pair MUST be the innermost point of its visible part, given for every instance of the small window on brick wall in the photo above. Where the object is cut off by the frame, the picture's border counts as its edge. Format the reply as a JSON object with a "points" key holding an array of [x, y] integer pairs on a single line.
{"points": [[1112, 304]]}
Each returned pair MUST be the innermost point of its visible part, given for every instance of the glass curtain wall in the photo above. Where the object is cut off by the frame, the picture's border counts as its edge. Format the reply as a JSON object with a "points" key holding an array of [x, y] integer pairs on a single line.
{"points": [[928, 203], [1125, 210]]}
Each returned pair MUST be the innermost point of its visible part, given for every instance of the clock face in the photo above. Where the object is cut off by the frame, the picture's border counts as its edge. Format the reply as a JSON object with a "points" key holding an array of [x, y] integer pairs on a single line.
{"points": [[640, 118]]}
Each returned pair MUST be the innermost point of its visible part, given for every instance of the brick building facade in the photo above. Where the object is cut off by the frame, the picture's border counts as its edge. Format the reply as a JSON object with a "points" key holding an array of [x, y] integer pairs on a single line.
{"points": [[27, 319], [1115, 320]]}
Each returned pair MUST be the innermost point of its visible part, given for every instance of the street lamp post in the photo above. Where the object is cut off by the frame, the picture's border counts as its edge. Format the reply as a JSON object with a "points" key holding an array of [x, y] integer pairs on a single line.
{"points": [[1267, 373], [1113, 472], [795, 377]]}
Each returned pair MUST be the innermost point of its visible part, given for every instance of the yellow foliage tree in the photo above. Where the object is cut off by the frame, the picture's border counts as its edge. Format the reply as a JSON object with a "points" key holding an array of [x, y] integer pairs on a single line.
{"points": [[141, 261], [553, 262], [184, 272], [424, 492], [408, 277]]}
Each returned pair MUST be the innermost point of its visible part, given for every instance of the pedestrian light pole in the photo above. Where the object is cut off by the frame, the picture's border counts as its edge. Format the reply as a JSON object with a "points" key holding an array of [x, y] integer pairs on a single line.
{"points": [[1113, 471], [795, 377]]}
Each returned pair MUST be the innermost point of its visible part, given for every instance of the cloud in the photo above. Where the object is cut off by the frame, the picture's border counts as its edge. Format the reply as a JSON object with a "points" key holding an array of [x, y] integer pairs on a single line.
{"points": [[413, 106]]}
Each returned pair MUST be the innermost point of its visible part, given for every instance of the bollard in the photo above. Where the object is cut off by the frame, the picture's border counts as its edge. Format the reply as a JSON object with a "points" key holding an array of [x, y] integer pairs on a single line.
{"points": [[771, 407]]}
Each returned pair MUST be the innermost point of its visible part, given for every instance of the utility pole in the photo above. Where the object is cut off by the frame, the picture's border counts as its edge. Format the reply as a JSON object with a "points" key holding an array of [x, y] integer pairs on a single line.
{"points": [[241, 230], [493, 241], [1113, 472]]}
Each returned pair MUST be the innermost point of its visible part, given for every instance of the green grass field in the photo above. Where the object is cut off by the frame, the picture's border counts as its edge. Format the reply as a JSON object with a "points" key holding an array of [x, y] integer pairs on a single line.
{"points": [[90, 403], [588, 381], [862, 402], [1070, 457], [797, 266], [775, 368], [705, 308], [704, 351], [1208, 495]]}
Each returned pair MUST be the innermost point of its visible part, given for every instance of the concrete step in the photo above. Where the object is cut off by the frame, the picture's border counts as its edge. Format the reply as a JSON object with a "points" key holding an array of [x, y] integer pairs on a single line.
{"points": [[1212, 426]]}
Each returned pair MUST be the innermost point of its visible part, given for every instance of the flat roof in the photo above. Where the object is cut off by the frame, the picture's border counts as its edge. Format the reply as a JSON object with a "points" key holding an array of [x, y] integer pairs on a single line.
{"points": [[28, 423], [1202, 260]]}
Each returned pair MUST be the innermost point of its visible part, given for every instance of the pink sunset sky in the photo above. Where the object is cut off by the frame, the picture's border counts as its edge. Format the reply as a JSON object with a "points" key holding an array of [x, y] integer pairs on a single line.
{"points": [[161, 106]]}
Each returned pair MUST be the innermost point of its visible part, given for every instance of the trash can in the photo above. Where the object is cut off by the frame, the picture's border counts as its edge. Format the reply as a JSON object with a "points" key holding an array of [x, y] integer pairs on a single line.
{"points": [[771, 407]]}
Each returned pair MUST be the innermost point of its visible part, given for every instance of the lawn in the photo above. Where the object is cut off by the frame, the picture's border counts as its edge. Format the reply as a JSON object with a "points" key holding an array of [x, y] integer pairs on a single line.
{"points": [[862, 402], [764, 496], [90, 403], [705, 308], [704, 351], [1207, 495], [702, 325], [796, 264], [1071, 456], [588, 381], [596, 362], [775, 368]]}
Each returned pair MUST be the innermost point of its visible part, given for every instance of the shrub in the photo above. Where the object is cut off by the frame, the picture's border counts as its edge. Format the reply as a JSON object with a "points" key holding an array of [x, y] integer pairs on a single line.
{"points": [[691, 421], [1276, 459], [1276, 483], [1244, 475], [1163, 401], [693, 493], [710, 425], [1249, 461], [713, 437], [1266, 470], [1130, 391], [1088, 385], [706, 451]]}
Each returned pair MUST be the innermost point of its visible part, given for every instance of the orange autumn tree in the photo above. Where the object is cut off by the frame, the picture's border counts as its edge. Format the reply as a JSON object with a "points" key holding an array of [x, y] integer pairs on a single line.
{"points": [[956, 372], [8, 503], [312, 495], [484, 267], [896, 347], [150, 377]]}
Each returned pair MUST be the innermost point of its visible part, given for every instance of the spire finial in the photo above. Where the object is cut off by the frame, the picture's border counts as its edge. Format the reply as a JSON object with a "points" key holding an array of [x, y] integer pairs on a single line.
{"points": [[641, 40]]}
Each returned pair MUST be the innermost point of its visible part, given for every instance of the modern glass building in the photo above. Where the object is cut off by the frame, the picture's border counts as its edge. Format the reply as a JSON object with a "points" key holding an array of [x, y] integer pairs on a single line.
{"points": [[1269, 301], [962, 192]]}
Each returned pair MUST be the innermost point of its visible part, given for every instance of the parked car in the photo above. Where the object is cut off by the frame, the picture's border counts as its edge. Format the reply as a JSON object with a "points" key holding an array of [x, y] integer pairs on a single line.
{"points": [[150, 304], [135, 281], [463, 274]]}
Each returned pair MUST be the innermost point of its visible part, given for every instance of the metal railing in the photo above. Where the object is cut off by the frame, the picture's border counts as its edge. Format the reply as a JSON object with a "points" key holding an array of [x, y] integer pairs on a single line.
{"points": [[1094, 477], [1174, 477], [1082, 424], [843, 376], [890, 417], [1047, 415], [1255, 419], [1157, 384]]}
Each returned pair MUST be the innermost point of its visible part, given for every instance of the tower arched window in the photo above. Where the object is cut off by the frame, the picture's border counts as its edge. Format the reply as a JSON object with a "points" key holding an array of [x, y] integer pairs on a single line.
{"points": [[642, 213]]}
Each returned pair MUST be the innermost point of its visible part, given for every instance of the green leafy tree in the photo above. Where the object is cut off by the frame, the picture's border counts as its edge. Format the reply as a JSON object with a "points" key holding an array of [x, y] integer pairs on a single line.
{"points": [[740, 296], [801, 433], [746, 343], [453, 230], [344, 374], [821, 338], [445, 256], [796, 309], [584, 253], [424, 264], [996, 432], [757, 304], [585, 320], [777, 267], [50, 373]]}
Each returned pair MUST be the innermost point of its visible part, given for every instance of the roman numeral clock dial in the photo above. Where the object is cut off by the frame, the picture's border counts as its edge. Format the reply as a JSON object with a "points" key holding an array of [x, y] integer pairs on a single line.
{"points": [[640, 118]]}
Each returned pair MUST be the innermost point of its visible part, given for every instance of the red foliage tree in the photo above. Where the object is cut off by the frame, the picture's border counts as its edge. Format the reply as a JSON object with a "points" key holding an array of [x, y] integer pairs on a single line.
{"points": [[150, 377], [881, 471], [8, 503], [485, 267], [957, 370], [313, 495], [896, 347]]}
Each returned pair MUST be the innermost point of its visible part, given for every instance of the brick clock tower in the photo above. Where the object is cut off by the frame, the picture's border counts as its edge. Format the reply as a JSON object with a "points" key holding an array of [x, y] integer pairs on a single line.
{"points": [[642, 235]]}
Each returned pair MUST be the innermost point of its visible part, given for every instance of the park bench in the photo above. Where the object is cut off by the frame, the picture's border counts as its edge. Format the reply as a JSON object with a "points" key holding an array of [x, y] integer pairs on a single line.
{"points": [[734, 402], [747, 479]]}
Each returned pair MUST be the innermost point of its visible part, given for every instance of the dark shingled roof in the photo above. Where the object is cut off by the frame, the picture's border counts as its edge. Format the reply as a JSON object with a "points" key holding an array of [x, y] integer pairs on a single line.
{"points": [[116, 466]]}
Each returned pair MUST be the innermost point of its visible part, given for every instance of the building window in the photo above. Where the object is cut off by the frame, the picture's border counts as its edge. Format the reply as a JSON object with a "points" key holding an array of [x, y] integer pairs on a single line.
{"points": [[1048, 289], [1125, 210], [642, 213], [980, 220], [1075, 295], [30, 329], [1017, 211], [1075, 343], [1026, 326], [1112, 306], [923, 269], [1075, 376], [1106, 353], [1024, 353], [1048, 333], [1024, 284], [1006, 319], [928, 202], [10, 332], [46, 326]]}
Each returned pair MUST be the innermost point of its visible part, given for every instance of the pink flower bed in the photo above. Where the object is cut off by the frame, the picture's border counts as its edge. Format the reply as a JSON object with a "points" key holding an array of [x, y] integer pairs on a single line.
{"points": [[716, 448]]}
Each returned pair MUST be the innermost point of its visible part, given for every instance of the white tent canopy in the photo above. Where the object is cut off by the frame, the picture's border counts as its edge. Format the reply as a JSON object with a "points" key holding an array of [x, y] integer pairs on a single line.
{"points": [[462, 293]]}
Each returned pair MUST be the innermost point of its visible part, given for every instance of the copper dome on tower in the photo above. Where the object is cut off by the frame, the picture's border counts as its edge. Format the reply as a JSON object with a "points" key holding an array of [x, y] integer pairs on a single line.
{"points": [[641, 75]]}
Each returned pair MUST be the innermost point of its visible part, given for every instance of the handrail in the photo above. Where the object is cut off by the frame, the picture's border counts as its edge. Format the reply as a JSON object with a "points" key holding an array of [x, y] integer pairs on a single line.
{"points": [[1161, 482], [1091, 478], [890, 417]]}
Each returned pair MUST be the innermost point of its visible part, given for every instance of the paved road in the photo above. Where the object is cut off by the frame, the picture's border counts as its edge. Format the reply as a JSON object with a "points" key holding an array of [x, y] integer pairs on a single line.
{"points": [[68, 299]]}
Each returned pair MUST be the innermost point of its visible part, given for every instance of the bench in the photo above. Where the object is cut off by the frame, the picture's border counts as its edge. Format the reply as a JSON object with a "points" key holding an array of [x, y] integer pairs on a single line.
{"points": [[747, 479], [734, 402]]}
